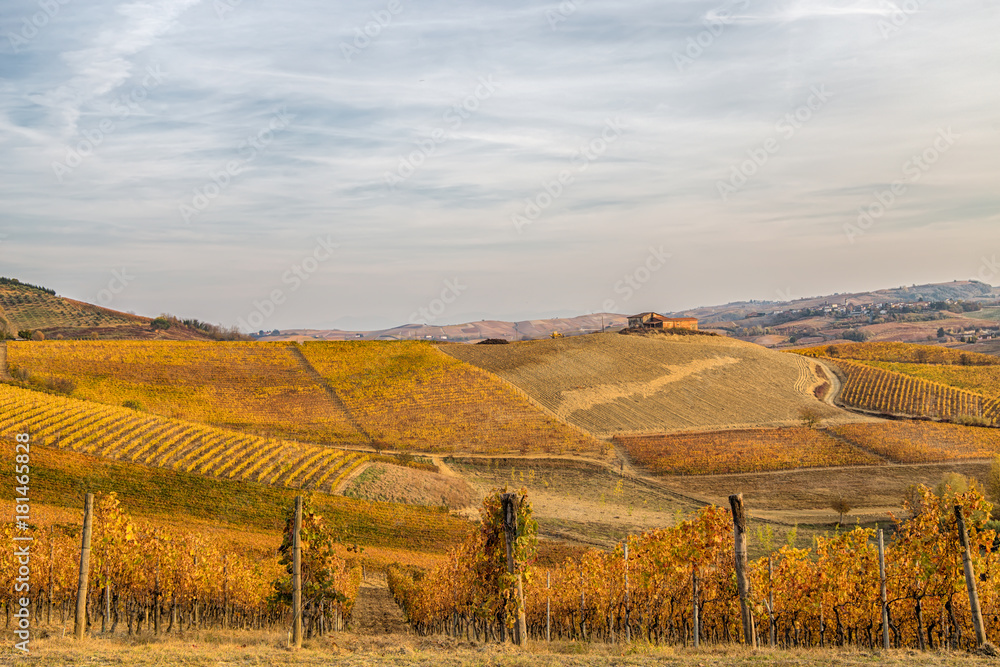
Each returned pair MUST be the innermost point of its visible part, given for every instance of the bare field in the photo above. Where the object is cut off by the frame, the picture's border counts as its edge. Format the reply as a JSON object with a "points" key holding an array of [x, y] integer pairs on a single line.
{"points": [[580, 502], [609, 384], [805, 495], [390, 483]]}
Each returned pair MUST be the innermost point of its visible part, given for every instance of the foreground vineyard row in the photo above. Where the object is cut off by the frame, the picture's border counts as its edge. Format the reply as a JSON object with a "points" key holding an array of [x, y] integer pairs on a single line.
{"points": [[168, 579], [826, 595], [127, 435], [880, 390]]}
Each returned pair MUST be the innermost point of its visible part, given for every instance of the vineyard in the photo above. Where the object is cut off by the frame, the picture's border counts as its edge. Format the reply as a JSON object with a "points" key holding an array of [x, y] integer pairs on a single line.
{"points": [[900, 353], [610, 384], [983, 380], [749, 450], [879, 390], [260, 388], [922, 442], [128, 435], [167, 580], [656, 588], [409, 395], [29, 308]]}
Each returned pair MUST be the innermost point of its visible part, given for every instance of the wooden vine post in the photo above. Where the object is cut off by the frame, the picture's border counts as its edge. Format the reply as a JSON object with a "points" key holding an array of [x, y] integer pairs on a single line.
{"points": [[970, 579], [885, 597], [80, 625], [628, 620], [695, 622], [297, 575], [510, 504], [742, 581]]}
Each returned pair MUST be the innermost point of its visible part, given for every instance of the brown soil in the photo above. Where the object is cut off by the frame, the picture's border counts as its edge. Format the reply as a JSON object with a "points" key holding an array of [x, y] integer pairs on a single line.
{"points": [[375, 612]]}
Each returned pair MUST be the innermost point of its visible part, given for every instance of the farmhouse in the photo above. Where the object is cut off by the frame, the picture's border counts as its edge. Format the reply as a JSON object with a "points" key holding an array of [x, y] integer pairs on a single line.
{"points": [[656, 321]]}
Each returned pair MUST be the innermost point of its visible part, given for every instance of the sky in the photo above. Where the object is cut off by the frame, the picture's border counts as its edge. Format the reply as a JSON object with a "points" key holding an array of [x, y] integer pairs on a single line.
{"points": [[363, 164]]}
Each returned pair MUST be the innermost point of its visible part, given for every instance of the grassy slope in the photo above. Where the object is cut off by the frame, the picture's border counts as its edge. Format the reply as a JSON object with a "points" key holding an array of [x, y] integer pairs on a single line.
{"points": [[61, 478]]}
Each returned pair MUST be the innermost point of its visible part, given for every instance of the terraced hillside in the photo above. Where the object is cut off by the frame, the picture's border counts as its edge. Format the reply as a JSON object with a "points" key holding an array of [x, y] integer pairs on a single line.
{"points": [[410, 395], [259, 388], [128, 435], [610, 384], [403, 395]]}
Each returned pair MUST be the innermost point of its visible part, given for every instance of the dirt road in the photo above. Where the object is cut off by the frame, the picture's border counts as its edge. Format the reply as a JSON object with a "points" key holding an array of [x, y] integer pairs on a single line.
{"points": [[375, 612]]}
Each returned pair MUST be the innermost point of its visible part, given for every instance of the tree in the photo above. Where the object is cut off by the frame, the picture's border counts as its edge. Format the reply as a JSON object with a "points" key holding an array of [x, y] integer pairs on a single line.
{"points": [[842, 506], [160, 322], [37, 335], [941, 332]]}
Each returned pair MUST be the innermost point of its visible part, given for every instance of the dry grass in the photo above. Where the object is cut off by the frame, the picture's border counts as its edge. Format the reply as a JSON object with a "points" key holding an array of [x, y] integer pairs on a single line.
{"points": [[351, 650], [396, 484]]}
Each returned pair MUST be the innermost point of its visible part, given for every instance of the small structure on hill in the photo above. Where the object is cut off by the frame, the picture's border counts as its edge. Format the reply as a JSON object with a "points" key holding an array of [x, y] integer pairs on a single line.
{"points": [[652, 320]]}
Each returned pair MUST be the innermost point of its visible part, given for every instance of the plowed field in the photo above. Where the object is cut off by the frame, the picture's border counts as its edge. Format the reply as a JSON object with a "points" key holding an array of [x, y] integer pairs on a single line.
{"points": [[609, 384]]}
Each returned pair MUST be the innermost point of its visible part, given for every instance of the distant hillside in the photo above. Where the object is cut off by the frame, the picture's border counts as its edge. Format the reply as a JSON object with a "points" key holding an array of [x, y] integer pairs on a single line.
{"points": [[467, 332], [25, 307], [965, 290]]}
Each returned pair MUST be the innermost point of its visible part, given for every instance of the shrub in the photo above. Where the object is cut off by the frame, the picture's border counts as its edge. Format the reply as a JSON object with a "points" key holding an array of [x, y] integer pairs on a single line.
{"points": [[856, 335], [971, 420], [160, 322], [132, 405], [37, 335], [24, 334]]}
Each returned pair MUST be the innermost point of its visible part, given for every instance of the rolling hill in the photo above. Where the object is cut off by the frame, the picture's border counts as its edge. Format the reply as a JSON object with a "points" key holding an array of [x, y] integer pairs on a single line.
{"points": [[610, 384]]}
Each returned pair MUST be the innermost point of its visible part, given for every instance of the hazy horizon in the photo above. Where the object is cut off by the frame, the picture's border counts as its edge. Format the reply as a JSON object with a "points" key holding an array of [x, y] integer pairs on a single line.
{"points": [[355, 165]]}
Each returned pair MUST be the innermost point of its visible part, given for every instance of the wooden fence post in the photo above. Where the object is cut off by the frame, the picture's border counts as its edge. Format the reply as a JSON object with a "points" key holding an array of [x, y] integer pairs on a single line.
{"points": [[510, 504], [772, 635], [628, 623], [548, 607], [695, 621], [970, 579], [80, 626], [297, 575], [885, 597], [742, 582]]}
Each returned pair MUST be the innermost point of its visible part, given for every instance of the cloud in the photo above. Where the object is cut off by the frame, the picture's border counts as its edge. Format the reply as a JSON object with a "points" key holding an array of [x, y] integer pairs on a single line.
{"points": [[409, 96]]}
